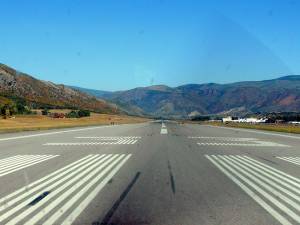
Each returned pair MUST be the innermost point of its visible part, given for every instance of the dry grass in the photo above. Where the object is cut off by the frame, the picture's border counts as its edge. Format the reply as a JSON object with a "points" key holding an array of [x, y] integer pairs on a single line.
{"points": [[288, 128], [39, 122]]}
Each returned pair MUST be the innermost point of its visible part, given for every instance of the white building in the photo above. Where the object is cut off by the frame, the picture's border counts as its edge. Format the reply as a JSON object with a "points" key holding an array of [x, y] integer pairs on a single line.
{"points": [[227, 119], [244, 120]]}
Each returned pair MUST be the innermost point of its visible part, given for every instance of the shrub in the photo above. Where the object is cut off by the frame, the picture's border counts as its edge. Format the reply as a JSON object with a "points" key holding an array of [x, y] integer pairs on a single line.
{"points": [[45, 112], [84, 113], [78, 114], [72, 114]]}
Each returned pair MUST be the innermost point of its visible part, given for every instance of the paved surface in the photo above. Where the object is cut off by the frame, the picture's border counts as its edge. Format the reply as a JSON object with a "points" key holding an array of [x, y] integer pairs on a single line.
{"points": [[153, 173]]}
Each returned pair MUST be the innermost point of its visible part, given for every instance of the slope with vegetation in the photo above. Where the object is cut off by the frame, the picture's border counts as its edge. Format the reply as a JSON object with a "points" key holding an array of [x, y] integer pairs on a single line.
{"points": [[20, 92], [241, 98]]}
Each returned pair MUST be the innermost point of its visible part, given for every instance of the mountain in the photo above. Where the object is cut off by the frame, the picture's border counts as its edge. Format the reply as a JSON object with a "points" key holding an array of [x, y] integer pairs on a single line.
{"points": [[277, 95], [96, 93], [14, 84], [240, 98]]}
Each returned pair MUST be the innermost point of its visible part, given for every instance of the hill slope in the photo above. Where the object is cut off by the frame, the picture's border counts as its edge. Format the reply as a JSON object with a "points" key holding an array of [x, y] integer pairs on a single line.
{"points": [[282, 94], [44, 93]]}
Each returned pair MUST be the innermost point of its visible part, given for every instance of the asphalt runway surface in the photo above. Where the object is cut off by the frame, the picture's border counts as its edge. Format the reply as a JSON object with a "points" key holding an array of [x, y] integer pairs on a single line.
{"points": [[160, 172]]}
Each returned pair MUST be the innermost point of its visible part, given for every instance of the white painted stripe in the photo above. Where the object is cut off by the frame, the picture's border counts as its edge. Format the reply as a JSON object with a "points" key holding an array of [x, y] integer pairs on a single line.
{"points": [[18, 195], [164, 131], [262, 192], [68, 183], [256, 144], [23, 161], [134, 142], [120, 142], [125, 142], [271, 177], [57, 132], [237, 167], [254, 131], [284, 176], [248, 191], [225, 138], [128, 142], [13, 169], [14, 160], [294, 160], [75, 213], [110, 138], [85, 180]]}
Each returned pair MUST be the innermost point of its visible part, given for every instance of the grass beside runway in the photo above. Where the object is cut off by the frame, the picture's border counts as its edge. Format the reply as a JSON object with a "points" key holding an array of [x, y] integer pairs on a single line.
{"points": [[286, 128], [39, 122]]}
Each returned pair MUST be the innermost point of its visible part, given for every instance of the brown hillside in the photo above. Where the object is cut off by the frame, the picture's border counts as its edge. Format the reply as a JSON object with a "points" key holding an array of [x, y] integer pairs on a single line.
{"points": [[14, 83]]}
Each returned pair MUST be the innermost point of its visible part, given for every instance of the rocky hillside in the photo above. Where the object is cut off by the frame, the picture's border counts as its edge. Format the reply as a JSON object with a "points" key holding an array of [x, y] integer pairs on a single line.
{"points": [[44, 93], [277, 95]]}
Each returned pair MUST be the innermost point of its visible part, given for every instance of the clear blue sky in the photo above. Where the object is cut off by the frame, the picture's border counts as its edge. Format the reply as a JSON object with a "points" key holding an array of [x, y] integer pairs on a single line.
{"points": [[116, 45]]}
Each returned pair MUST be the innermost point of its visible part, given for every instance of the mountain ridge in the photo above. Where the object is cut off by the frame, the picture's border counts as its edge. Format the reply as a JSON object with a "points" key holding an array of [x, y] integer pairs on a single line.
{"points": [[239, 98], [275, 95]]}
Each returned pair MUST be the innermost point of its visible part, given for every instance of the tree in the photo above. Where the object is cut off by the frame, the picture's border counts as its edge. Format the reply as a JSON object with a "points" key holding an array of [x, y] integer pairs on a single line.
{"points": [[45, 112], [84, 113]]}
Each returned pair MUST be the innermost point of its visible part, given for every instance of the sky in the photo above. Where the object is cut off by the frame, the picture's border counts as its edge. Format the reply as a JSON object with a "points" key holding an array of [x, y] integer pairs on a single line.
{"points": [[121, 44]]}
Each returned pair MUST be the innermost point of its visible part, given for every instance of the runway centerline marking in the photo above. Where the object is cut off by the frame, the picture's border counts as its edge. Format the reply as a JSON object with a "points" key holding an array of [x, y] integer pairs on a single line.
{"points": [[277, 192], [164, 129]]}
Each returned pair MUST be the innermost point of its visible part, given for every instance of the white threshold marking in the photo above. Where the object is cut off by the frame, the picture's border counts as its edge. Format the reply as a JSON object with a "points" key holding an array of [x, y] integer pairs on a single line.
{"points": [[262, 182], [294, 160], [100, 141], [256, 144], [233, 141], [111, 138], [124, 142], [18, 162], [224, 138], [255, 131], [67, 186]]}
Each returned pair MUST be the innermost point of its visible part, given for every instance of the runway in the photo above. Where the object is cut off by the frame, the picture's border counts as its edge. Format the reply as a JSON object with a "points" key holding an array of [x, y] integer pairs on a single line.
{"points": [[160, 172]]}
